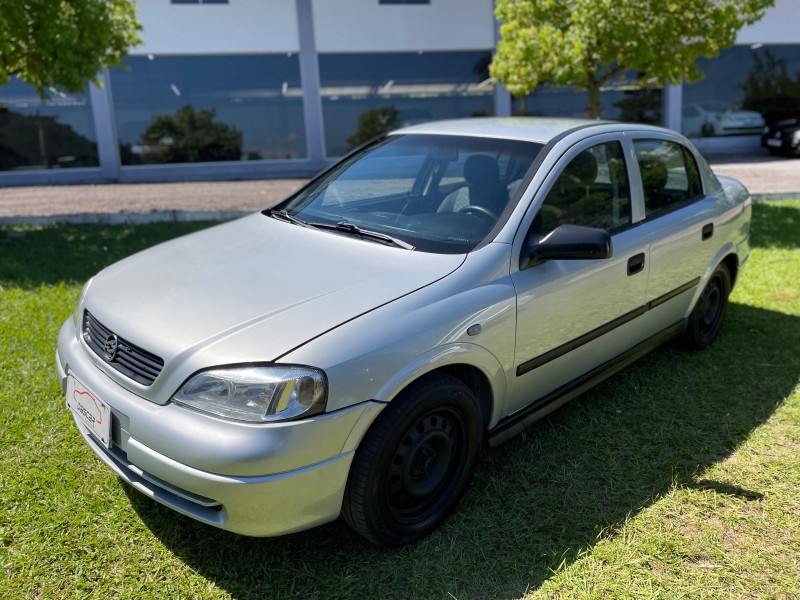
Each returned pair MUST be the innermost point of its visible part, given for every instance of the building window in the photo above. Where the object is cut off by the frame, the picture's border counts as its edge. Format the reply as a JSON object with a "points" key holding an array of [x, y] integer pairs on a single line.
{"points": [[55, 133], [624, 99], [178, 109], [743, 89], [366, 94], [404, 1]]}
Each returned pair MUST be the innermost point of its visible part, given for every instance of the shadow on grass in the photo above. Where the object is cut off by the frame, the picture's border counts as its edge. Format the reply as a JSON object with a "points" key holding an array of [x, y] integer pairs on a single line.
{"points": [[776, 225], [544, 498], [74, 253]]}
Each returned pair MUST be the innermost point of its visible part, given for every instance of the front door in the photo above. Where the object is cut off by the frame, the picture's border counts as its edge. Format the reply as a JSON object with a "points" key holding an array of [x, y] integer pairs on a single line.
{"points": [[575, 315]]}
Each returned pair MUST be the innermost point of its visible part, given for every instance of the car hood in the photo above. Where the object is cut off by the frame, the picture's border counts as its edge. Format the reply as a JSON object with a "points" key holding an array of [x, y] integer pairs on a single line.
{"points": [[251, 290]]}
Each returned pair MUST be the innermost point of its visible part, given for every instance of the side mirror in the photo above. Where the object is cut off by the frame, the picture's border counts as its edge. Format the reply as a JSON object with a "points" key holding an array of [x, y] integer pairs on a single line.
{"points": [[568, 242]]}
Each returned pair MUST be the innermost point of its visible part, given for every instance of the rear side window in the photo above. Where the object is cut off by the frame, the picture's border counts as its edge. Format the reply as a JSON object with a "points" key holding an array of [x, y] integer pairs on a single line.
{"points": [[670, 177], [592, 190]]}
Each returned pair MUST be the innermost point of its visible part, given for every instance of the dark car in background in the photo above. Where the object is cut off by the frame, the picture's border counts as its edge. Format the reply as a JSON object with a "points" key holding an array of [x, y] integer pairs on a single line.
{"points": [[782, 137]]}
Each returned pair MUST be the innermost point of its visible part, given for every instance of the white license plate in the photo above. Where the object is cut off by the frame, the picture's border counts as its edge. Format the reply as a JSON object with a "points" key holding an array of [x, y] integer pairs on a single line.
{"points": [[89, 409], [774, 143]]}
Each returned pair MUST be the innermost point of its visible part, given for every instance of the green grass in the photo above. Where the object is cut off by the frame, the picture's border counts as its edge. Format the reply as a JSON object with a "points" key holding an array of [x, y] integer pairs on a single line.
{"points": [[677, 478]]}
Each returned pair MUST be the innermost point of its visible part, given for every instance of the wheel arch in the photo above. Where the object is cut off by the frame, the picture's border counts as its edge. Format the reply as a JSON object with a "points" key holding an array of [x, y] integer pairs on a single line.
{"points": [[473, 365], [477, 382], [731, 260]]}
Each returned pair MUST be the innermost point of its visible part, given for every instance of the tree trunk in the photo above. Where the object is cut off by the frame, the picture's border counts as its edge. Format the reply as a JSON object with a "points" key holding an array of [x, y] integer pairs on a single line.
{"points": [[523, 106], [593, 108]]}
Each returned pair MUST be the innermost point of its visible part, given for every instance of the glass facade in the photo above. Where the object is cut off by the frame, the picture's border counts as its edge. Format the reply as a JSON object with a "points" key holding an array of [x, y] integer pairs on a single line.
{"points": [[366, 94], [622, 100], [54, 133], [744, 88], [184, 109], [243, 101]]}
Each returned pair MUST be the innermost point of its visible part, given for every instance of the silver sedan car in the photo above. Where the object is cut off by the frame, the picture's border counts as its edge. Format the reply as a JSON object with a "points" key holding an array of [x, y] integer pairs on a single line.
{"points": [[351, 350]]}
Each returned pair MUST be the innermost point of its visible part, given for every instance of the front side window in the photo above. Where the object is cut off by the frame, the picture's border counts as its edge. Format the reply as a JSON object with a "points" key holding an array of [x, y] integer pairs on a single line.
{"points": [[592, 190], [438, 193], [669, 173]]}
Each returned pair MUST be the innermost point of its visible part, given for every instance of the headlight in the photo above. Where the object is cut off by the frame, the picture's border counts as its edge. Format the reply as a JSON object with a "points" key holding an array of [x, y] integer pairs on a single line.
{"points": [[256, 394], [796, 137]]}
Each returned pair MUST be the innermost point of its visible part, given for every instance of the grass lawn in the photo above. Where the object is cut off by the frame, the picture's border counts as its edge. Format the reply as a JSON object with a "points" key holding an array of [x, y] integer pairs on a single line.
{"points": [[677, 478]]}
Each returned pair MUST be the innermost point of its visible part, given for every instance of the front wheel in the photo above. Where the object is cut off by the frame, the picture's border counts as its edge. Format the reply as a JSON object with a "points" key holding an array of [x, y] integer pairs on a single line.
{"points": [[415, 462], [709, 312]]}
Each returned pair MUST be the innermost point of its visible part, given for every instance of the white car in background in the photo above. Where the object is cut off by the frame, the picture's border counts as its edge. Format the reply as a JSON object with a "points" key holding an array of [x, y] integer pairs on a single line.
{"points": [[349, 351], [707, 119]]}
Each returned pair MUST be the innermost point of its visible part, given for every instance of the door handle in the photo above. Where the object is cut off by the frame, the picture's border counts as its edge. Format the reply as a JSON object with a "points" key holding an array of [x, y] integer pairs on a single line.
{"points": [[708, 231], [636, 263]]}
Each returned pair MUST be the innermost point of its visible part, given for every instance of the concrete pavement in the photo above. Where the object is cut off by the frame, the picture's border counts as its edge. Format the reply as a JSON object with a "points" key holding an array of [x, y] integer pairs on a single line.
{"points": [[764, 175]]}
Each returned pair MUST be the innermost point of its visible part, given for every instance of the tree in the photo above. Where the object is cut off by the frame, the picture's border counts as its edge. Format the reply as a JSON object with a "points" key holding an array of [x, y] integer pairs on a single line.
{"points": [[64, 44], [372, 123], [770, 89], [40, 140], [587, 43], [190, 136]]}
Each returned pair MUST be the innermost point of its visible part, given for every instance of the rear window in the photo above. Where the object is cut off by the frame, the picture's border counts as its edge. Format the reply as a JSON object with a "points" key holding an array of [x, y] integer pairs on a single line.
{"points": [[670, 177]]}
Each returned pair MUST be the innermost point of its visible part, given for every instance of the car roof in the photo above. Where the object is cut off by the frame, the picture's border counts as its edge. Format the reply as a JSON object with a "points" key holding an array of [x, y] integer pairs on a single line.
{"points": [[531, 129]]}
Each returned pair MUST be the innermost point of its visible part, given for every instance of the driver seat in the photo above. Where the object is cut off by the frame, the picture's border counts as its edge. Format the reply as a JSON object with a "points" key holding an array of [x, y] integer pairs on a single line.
{"points": [[483, 187]]}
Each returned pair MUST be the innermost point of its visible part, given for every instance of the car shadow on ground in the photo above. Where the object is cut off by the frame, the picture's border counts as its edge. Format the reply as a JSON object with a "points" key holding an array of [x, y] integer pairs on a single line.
{"points": [[543, 499]]}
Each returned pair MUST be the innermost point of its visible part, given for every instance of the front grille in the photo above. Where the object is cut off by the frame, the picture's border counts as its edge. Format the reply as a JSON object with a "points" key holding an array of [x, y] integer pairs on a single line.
{"points": [[140, 365]]}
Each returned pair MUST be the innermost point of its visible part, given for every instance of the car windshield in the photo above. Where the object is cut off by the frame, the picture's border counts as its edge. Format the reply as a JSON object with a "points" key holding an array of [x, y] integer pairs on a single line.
{"points": [[437, 193]]}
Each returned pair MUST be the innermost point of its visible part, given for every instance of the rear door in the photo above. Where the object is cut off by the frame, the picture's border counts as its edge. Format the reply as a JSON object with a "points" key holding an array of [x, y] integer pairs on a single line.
{"points": [[678, 224]]}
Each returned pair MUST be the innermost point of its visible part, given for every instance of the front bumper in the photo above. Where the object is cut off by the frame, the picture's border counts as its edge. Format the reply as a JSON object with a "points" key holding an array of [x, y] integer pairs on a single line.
{"points": [[252, 479]]}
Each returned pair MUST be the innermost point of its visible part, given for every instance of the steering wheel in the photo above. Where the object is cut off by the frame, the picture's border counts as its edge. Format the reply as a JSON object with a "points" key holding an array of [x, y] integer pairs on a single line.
{"points": [[474, 208]]}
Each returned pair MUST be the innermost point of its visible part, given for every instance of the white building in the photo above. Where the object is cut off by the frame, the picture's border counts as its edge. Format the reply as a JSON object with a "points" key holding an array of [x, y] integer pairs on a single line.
{"points": [[275, 88]]}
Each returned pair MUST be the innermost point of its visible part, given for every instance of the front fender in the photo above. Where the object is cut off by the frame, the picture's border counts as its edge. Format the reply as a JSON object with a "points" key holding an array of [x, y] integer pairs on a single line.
{"points": [[451, 354]]}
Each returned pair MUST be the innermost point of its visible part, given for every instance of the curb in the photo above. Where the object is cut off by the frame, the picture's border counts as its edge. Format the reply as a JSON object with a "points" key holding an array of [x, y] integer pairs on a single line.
{"points": [[775, 196], [127, 218]]}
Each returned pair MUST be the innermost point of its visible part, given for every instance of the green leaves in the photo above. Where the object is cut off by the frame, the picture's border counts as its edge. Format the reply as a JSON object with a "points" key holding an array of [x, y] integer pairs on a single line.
{"points": [[64, 43], [586, 43], [190, 135]]}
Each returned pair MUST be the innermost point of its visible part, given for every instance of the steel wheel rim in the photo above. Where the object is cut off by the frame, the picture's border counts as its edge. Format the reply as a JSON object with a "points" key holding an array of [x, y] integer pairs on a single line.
{"points": [[426, 465], [710, 306]]}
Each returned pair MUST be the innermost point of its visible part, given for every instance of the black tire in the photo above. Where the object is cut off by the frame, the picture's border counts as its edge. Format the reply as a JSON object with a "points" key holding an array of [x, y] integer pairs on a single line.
{"points": [[415, 462], [709, 312]]}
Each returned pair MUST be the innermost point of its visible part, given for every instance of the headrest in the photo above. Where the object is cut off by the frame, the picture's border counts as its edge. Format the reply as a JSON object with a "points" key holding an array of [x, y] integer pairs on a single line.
{"points": [[480, 168]]}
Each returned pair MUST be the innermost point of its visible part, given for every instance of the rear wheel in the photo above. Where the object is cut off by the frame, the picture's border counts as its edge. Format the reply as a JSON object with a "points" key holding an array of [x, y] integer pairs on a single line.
{"points": [[709, 312], [415, 462]]}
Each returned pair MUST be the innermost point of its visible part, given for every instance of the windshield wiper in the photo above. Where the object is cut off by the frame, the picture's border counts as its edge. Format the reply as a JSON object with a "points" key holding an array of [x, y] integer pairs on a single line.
{"points": [[285, 216], [343, 227], [351, 229]]}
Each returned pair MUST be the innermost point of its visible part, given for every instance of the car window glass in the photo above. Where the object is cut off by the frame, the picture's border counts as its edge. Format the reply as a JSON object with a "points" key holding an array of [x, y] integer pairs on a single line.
{"points": [[438, 193], [592, 190], [375, 179], [669, 175]]}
